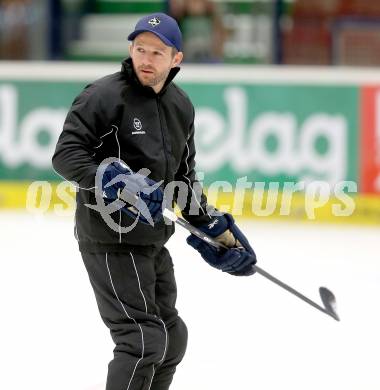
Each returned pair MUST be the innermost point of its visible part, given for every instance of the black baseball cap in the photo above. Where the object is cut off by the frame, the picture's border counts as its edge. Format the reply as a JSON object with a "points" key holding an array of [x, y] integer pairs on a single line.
{"points": [[162, 25]]}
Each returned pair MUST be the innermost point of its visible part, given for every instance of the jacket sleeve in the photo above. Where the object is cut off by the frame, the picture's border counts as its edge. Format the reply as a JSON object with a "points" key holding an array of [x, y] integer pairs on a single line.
{"points": [[73, 158], [195, 209]]}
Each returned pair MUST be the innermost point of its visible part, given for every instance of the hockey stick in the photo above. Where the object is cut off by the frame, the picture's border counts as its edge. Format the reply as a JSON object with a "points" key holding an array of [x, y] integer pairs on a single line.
{"points": [[327, 297]]}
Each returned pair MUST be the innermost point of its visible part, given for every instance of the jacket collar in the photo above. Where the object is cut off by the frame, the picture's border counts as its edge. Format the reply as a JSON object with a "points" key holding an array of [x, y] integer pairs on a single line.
{"points": [[128, 71]]}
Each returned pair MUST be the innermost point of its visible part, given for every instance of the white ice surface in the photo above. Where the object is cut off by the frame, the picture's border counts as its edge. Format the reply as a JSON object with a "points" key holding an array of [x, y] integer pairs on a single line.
{"points": [[244, 333]]}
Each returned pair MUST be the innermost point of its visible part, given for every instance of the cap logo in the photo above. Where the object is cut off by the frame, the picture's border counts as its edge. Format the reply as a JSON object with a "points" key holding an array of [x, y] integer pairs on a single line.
{"points": [[154, 22]]}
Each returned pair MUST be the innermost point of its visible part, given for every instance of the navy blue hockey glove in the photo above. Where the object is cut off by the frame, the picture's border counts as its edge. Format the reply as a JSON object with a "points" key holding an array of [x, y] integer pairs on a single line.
{"points": [[149, 196], [238, 260]]}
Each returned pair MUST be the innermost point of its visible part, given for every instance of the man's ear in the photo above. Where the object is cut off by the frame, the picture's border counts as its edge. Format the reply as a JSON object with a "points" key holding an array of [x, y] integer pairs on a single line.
{"points": [[130, 49], [178, 57]]}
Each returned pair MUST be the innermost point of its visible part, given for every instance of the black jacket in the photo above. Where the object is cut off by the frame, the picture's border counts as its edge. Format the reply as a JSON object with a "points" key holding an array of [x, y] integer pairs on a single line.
{"points": [[116, 116]]}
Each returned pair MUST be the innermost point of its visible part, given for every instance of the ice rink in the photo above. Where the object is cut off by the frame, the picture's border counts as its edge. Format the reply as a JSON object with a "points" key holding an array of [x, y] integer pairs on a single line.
{"points": [[244, 333]]}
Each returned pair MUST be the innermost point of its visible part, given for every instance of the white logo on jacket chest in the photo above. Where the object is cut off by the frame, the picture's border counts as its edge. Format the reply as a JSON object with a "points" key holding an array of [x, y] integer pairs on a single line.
{"points": [[138, 126]]}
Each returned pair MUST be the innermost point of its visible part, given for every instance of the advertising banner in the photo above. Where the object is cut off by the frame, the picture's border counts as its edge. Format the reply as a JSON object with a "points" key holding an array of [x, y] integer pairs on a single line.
{"points": [[265, 132]]}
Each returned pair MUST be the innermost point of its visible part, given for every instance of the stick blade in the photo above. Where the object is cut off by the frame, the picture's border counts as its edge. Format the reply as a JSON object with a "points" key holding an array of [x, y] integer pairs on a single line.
{"points": [[329, 301]]}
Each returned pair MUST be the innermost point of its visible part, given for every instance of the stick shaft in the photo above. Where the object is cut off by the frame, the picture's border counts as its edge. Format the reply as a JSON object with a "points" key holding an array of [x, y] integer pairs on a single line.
{"points": [[291, 290], [211, 241]]}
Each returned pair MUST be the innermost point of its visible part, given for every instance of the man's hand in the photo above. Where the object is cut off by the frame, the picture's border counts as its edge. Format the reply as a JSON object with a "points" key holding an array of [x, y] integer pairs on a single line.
{"points": [[238, 260], [149, 196]]}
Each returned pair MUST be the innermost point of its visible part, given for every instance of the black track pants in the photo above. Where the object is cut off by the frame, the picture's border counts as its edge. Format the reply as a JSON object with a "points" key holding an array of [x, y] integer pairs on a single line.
{"points": [[136, 295]]}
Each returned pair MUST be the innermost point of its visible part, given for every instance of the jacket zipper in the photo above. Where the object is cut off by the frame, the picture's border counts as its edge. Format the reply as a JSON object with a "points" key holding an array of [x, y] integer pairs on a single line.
{"points": [[163, 141]]}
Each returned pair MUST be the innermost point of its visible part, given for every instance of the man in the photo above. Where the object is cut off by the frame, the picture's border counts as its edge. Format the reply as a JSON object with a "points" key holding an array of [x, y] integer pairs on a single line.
{"points": [[120, 129]]}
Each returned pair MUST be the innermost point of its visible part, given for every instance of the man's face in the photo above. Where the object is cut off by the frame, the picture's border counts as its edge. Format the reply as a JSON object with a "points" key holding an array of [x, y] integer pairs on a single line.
{"points": [[152, 60]]}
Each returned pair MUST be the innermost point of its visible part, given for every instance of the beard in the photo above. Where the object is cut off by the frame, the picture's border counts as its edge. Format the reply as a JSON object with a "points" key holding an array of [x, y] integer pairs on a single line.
{"points": [[153, 79]]}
